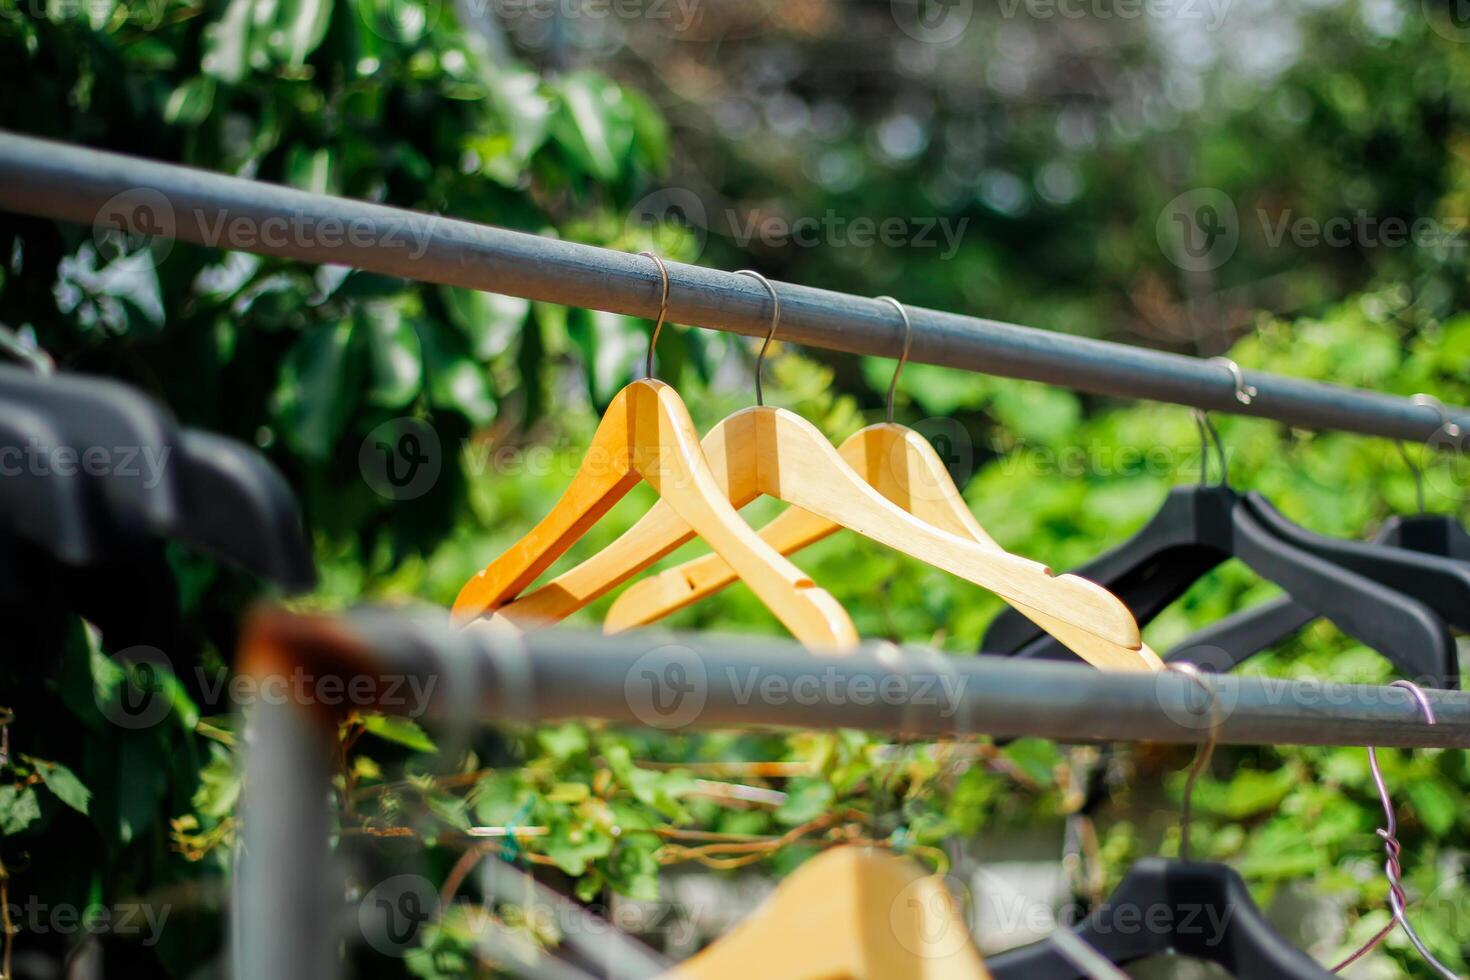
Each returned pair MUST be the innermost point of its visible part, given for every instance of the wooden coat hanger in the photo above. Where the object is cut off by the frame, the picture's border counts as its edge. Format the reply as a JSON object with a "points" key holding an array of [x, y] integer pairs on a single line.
{"points": [[901, 465], [772, 451], [646, 434], [851, 913]]}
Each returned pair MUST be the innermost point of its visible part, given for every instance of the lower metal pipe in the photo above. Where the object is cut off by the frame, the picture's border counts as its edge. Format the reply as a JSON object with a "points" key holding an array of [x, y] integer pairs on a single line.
{"points": [[420, 665]]}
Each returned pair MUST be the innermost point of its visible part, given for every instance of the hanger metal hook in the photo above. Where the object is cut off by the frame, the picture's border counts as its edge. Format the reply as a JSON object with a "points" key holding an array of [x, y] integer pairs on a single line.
{"points": [[1450, 426], [1392, 868], [1201, 757], [32, 357], [663, 311], [1209, 435], [1418, 475], [1244, 393], [903, 357], [760, 360]]}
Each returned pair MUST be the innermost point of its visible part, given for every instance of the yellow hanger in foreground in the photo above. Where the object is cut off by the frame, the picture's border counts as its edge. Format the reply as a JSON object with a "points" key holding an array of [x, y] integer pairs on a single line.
{"points": [[646, 434], [851, 913], [901, 465]]}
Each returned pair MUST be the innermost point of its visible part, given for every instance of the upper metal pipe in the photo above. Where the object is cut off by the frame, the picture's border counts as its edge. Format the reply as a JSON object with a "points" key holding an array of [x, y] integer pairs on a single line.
{"points": [[420, 665], [71, 183]]}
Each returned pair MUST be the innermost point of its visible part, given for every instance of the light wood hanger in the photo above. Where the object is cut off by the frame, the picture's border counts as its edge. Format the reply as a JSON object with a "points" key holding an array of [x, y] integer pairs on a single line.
{"points": [[851, 913], [901, 465], [646, 434], [772, 451]]}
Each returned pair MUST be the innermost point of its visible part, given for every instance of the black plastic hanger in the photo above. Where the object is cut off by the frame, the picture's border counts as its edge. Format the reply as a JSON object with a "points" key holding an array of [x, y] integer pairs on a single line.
{"points": [[1201, 526], [1189, 908], [1232, 640], [133, 479], [37, 505], [1195, 909], [237, 506], [1433, 534], [1441, 583], [201, 489]]}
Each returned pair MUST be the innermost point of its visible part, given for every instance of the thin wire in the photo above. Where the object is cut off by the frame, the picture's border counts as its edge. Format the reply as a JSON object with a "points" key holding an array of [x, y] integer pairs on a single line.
{"points": [[1076, 951], [663, 311], [1209, 435], [1450, 426], [1202, 757], [908, 338], [760, 398], [1392, 867], [1418, 475], [32, 357], [1244, 393]]}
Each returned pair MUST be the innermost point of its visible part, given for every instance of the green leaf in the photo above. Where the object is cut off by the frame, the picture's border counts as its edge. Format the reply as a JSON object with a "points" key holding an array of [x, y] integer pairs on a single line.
{"points": [[63, 783], [633, 869], [190, 103], [19, 808], [571, 845], [563, 742], [318, 388], [310, 170], [227, 43], [609, 344], [593, 124], [806, 799], [524, 111], [489, 321], [299, 28], [403, 731], [1435, 805], [395, 356], [455, 381]]}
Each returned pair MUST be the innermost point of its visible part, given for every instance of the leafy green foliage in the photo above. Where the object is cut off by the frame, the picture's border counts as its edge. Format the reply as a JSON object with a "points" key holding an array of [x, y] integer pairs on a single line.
{"points": [[392, 100]]}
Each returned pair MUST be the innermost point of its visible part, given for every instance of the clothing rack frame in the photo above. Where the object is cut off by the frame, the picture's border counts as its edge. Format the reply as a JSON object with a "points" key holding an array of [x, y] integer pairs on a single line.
{"points": [[288, 885], [287, 912], [55, 180]]}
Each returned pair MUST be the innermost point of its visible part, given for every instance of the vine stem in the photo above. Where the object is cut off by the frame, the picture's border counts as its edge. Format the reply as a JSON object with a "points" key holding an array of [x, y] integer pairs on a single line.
{"points": [[9, 927]]}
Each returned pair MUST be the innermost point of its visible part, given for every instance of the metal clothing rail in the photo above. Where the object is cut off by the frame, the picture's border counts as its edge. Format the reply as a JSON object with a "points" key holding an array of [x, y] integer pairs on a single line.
{"points": [[288, 917], [698, 680], [71, 183]]}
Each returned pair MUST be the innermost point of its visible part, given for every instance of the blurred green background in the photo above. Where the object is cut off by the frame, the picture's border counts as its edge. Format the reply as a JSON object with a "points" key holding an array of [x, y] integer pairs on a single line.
{"points": [[1043, 164]]}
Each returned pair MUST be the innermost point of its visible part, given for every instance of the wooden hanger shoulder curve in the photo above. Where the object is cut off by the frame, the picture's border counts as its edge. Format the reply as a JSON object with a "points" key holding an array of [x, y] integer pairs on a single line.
{"points": [[647, 434], [901, 465], [776, 452]]}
